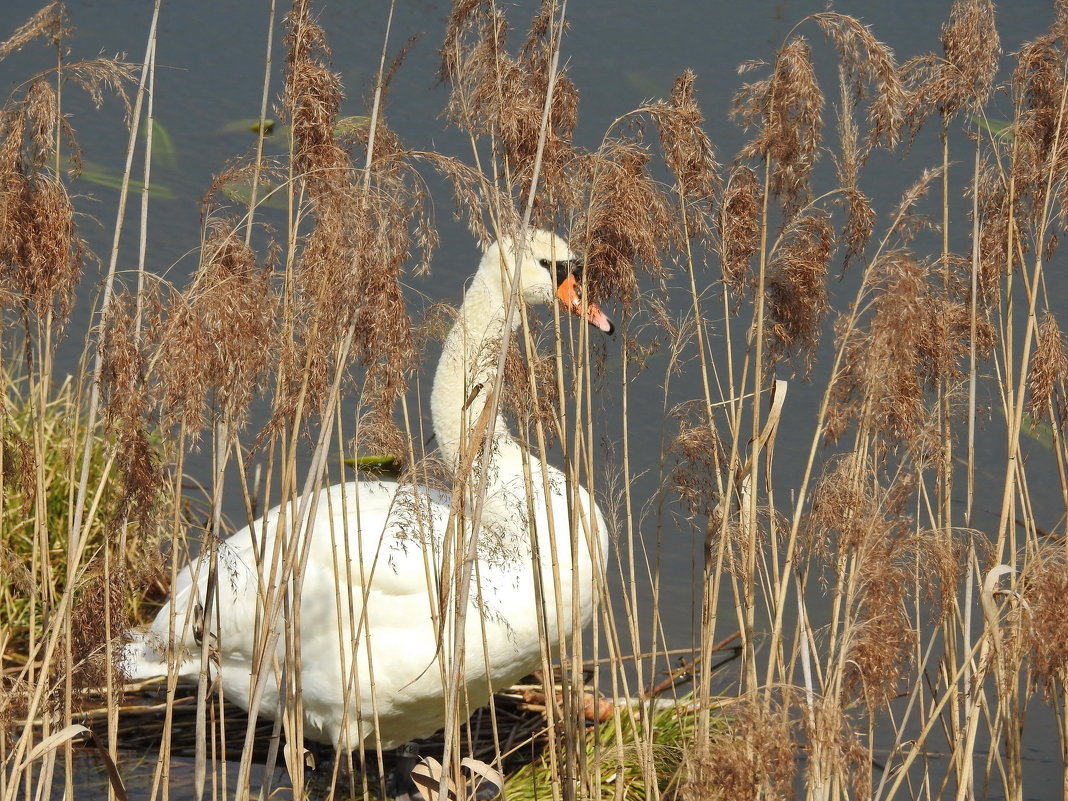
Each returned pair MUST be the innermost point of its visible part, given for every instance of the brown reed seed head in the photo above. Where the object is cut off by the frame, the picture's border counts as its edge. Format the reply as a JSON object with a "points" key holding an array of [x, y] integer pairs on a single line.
{"points": [[51, 21], [881, 375], [348, 273], [796, 287], [867, 62], [688, 152], [698, 455], [787, 110], [854, 515], [963, 76], [739, 226], [98, 598], [130, 406], [1044, 588], [1039, 146], [529, 407], [972, 49], [1047, 372], [502, 96], [218, 336], [41, 253], [754, 759], [860, 223], [944, 563], [998, 222], [625, 223]]}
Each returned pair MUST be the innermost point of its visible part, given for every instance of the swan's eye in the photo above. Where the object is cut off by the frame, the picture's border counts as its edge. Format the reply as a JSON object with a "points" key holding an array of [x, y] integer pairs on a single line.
{"points": [[544, 263]]}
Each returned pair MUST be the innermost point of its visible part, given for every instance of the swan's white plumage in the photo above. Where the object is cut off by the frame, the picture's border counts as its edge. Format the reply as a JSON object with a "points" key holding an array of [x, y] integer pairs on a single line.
{"points": [[386, 541]]}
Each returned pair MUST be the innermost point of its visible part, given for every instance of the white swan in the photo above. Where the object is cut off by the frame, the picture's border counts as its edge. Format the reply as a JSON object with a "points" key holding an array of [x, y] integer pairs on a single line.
{"points": [[384, 613]]}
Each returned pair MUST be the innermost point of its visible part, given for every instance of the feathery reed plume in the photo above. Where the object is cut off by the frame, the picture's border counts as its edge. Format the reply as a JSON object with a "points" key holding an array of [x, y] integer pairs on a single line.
{"points": [[1037, 85], [999, 227], [853, 514], [129, 405], [739, 226], [1048, 369], [502, 96], [625, 223], [348, 273], [1040, 147], [1045, 587], [963, 77], [218, 338], [41, 254], [881, 377], [100, 597], [529, 408], [688, 152], [755, 757], [972, 49], [698, 454], [867, 61], [796, 287], [787, 109], [51, 21], [944, 563]]}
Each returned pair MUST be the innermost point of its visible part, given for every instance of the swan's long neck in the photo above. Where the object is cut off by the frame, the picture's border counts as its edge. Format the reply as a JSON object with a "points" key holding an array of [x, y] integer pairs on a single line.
{"points": [[465, 378]]}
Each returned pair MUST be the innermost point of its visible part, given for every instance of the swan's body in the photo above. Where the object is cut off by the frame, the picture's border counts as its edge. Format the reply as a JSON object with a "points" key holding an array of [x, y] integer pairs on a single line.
{"points": [[373, 583]]}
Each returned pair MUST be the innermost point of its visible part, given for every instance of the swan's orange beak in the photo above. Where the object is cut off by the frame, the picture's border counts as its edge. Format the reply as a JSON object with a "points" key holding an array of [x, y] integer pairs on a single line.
{"points": [[570, 294]]}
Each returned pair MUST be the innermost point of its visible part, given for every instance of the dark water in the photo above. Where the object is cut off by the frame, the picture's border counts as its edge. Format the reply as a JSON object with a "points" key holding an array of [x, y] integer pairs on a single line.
{"points": [[619, 53]]}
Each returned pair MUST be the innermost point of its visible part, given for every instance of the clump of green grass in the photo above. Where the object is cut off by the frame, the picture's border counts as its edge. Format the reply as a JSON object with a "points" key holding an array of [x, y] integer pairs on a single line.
{"points": [[619, 752], [41, 443]]}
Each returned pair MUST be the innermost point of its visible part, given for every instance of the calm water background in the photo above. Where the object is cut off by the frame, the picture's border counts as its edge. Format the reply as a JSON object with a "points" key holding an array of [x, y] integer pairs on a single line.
{"points": [[619, 53]]}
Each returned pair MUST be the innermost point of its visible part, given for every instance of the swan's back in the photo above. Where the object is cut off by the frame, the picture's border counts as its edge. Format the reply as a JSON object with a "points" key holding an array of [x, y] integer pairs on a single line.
{"points": [[371, 592]]}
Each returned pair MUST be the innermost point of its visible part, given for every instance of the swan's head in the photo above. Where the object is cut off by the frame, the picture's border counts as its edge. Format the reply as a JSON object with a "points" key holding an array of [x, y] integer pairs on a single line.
{"points": [[548, 269]]}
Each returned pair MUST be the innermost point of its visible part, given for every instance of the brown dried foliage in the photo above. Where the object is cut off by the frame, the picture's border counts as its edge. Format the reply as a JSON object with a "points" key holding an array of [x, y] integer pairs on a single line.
{"points": [[1048, 368], [503, 96], [869, 62], [852, 514], [755, 758], [688, 152], [788, 109], [698, 454], [218, 337], [796, 287], [51, 22], [625, 223], [739, 226], [1045, 587]]}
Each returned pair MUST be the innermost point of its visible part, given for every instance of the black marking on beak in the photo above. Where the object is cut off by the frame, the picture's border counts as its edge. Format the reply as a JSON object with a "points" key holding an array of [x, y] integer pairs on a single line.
{"points": [[566, 268]]}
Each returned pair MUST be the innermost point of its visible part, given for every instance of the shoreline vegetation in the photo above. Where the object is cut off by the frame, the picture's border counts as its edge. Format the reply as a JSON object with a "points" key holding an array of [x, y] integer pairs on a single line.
{"points": [[915, 676]]}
